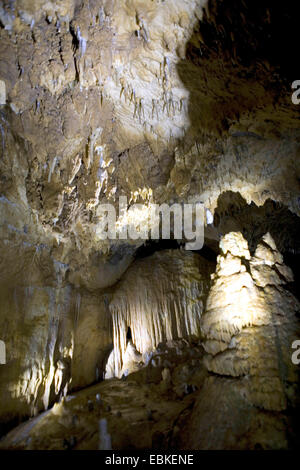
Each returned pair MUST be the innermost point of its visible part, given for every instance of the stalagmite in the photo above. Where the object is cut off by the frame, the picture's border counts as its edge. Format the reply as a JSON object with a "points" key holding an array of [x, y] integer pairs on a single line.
{"points": [[247, 330], [104, 436], [2, 352]]}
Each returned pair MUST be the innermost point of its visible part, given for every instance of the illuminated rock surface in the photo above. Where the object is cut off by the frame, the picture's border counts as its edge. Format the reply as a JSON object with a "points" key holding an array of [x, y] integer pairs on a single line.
{"points": [[157, 303], [173, 101]]}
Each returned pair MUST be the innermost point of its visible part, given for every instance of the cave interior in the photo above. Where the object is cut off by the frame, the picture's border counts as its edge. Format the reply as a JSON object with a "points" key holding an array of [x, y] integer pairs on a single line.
{"points": [[132, 343]]}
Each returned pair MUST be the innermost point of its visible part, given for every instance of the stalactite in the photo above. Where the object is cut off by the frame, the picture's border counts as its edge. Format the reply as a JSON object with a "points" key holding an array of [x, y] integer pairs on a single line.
{"points": [[142, 303], [82, 43], [52, 168]]}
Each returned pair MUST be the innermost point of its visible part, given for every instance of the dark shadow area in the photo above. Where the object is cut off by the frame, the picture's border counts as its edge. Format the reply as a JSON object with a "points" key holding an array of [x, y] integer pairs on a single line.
{"points": [[293, 261], [208, 253], [9, 425], [234, 213], [239, 59], [128, 335], [151, 246]]}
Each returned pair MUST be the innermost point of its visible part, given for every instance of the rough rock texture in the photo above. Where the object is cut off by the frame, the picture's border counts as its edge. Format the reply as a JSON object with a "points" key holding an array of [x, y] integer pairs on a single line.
{"points": [[160, 298], [250, 321], [249, 326], [44, 321], [60, 341], [168, 98], [142, 411], [159, 101]]}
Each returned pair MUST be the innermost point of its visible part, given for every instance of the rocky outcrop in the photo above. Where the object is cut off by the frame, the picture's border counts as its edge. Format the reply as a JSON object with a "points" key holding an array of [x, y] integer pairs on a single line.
{"points": [[230, 384], [250, 322], [106, 98], [56, 340], [249, 326]]}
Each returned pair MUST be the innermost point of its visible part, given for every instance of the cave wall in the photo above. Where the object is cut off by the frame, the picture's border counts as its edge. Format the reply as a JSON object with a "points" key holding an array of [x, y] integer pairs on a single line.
{"points": [[167, 101], [49, 327]]}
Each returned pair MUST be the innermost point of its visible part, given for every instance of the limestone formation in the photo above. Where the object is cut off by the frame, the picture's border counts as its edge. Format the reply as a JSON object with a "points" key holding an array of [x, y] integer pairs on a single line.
{"points": [[249, 330], [158, 102], [249, 326], [156, 305]]}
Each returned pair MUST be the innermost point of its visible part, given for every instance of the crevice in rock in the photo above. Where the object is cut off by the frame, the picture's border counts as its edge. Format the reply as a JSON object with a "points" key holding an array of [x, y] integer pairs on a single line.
{"points": [[233, 213], [151, 246]]}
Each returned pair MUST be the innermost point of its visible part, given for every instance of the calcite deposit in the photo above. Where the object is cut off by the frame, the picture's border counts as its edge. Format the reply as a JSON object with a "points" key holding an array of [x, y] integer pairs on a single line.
{"points": [[157, 305], [131, 343]]}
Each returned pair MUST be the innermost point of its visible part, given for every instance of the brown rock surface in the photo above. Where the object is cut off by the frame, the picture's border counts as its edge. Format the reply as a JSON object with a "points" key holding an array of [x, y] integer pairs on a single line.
{"points": [[165, 101]]}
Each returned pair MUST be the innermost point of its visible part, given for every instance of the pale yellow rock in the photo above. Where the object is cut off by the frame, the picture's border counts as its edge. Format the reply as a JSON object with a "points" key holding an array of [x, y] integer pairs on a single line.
{"points": [[265, 255], [235, 243], [229, 265], [248, 331], [160, 298], [132, 360]]}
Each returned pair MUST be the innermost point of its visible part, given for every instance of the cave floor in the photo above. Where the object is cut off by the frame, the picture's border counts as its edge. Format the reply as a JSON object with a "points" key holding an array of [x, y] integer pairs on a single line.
{"points": [[172, 403], [142, 410]]}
